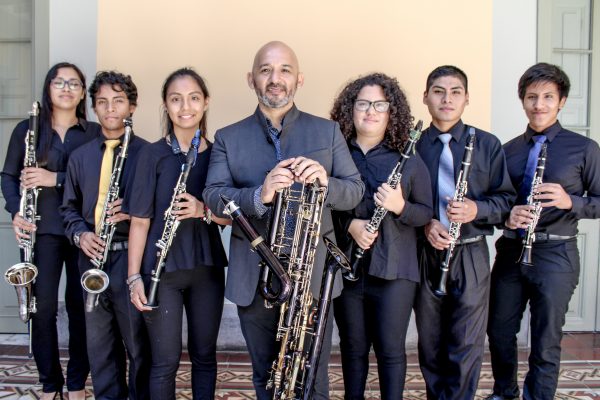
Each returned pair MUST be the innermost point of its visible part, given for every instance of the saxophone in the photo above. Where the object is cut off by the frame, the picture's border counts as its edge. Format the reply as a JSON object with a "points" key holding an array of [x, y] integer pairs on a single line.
{"points": [[454, 228], [526, 257], [22, 275], [95, 281], [171, 223], [380, 212]]}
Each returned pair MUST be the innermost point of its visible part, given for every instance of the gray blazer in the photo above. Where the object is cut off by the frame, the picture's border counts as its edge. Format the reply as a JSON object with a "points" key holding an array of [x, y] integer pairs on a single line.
{"points": [[242, 156]]}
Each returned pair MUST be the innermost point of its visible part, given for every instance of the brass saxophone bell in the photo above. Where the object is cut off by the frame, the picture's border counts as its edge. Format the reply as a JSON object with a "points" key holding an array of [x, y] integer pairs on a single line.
{"points": [[94, 281], [22, 276]]}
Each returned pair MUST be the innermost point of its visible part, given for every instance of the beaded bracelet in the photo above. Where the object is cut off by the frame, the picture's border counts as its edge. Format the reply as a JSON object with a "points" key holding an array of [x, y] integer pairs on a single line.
{"points": [[130, 281]]}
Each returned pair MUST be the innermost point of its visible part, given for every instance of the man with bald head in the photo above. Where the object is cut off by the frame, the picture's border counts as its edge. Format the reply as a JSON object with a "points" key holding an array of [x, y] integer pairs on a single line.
{"points": [[250, 161]]}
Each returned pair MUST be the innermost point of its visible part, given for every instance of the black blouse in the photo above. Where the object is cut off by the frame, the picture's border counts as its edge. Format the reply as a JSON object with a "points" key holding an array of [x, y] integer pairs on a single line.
{"points": [[394, 253], [50, 198], [196, 243]]}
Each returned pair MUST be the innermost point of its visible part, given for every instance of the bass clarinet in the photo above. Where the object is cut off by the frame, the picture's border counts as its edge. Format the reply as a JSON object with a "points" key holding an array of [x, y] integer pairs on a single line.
{"points": [[171, 222], [22, 275], [95, 281], [380, 212], [454, 228], [526, 257]]}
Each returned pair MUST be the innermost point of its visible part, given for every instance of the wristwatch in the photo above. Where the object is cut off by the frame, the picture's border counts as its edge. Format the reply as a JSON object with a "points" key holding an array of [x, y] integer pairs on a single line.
{"points": [[76, 239]]}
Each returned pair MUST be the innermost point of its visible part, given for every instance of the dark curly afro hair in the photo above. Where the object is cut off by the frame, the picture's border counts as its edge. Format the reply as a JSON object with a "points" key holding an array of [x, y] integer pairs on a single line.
{"points": [[400, 122]]}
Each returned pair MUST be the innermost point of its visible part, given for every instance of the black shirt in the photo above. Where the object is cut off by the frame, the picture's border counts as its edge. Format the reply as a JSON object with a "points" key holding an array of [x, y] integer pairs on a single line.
{"points": [[50, 198], [81, 185], [394, 253], [573, 161], [196, 243], [489, 185]]}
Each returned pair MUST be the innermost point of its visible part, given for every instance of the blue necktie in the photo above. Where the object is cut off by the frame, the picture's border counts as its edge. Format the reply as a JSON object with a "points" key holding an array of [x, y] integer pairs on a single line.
{"points": [[446, 185], [534, 153]]}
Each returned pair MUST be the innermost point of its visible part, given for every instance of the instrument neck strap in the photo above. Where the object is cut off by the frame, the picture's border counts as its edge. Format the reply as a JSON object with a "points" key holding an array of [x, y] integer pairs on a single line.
{"points": [[176, 148]]}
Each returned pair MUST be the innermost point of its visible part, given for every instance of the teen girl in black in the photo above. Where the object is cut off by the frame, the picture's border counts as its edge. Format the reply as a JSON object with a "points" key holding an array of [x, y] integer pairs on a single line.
{"points": [[194, 273]]}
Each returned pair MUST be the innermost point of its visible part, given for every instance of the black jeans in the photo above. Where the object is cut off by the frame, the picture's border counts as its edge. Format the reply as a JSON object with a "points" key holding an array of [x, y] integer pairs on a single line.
{"points": [[548, 287], [374, 311], [259, 327], [51, 252], [452, 329], [116, 331], [201, 292]]}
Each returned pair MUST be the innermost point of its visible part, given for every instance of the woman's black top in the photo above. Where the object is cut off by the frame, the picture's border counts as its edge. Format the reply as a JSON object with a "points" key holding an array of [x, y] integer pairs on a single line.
{"points": [[50, 198], [196, 243]]}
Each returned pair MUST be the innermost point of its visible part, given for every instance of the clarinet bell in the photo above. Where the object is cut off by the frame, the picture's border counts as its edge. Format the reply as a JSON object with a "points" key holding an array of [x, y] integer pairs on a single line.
{"points": [[526, 256]]}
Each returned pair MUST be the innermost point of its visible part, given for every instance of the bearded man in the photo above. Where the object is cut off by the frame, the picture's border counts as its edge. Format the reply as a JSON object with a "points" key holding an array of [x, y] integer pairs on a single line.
{"points": [[270, 150]]}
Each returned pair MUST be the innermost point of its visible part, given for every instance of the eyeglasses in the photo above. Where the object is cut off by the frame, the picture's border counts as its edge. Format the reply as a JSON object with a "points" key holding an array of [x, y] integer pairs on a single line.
{"points": [[379, 106], [73, 84]]}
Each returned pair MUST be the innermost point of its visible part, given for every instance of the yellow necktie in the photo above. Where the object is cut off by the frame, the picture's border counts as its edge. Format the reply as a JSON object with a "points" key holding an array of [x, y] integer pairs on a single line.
{"points": [[105, 174]]}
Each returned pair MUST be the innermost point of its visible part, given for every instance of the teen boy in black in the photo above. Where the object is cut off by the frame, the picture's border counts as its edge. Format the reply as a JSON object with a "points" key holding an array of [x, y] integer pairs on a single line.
{"points": [[452, 328], [114, 327], [570, 191]]}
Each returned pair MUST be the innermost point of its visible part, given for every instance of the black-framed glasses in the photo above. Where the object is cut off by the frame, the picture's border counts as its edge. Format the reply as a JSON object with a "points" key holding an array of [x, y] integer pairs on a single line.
{"points": [[73, 84], [379, 105]]}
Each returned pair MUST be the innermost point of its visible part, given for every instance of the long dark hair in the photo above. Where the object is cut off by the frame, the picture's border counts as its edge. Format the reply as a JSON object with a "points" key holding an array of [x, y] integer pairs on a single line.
{"points": [[400, 122], [45, 134], [181, 73]]}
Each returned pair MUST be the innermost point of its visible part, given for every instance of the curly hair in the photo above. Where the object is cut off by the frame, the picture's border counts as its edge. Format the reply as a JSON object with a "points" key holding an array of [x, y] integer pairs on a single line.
{"points": [[400, 122], [117, 81]]}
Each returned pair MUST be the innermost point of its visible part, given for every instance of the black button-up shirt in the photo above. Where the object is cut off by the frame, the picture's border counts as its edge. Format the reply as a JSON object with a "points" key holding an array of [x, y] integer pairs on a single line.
{"points": [[50, 198], [489, 185], [573, 161], [83, 179], [394, 253]]}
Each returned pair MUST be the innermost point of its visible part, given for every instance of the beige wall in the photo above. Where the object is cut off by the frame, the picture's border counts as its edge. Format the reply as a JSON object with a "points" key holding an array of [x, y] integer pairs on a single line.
{"points": [[334, 40]]}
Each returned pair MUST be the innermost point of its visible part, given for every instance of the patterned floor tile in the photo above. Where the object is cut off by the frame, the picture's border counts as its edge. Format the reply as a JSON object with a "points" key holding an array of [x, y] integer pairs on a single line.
{"points": [[578, 380]]}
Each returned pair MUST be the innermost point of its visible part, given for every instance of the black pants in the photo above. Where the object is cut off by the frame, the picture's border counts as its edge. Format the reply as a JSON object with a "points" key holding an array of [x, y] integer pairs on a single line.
{"points": [[201, 292], [259, 327], [374, 311], [548, 287], [51, 252], [452, 329], [116, 331]]}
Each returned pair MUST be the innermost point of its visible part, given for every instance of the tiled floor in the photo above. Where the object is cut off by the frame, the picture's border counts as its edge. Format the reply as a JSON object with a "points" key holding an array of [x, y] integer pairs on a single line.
{"points": [[579, 378]]}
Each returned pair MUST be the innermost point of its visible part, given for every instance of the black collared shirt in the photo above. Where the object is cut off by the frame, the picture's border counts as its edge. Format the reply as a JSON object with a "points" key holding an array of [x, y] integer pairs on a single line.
{"points": [[394, 253], [196, 243], [50, 198], [489, 185], [573, 161], [81, 185]]}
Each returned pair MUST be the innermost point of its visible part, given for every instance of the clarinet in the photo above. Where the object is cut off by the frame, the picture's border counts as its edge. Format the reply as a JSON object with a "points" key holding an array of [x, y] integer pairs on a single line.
{"points": [[526, 257], [380, 212], [171, 223], [459, 195], [95, 281]]}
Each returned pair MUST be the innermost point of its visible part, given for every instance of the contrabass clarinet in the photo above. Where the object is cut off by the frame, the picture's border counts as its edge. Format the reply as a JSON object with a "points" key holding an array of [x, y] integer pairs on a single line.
{"points": [[459, 196], [294, 371], [22, 275], [526, 256], [171, 222], [393, 180], [95, 281]]}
